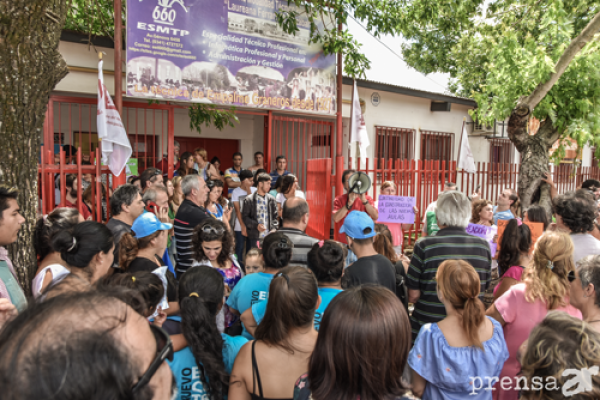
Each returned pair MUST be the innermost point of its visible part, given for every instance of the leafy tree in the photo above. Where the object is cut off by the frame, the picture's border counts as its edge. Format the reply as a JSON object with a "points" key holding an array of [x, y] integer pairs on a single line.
{"points": [[517, 59]]}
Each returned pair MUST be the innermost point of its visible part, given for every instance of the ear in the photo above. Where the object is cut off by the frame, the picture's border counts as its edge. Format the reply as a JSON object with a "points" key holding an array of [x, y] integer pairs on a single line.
{"points": [[318, 302], [590, 291]]}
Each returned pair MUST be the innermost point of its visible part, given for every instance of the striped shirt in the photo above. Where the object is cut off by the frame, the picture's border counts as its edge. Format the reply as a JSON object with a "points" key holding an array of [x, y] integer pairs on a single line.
{"points": [[189, 215], [451, 243]]}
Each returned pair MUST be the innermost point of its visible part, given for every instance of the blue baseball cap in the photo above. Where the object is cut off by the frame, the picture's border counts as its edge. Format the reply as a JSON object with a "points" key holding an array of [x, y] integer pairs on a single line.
{"points": [[358, 225], [148, 223]]}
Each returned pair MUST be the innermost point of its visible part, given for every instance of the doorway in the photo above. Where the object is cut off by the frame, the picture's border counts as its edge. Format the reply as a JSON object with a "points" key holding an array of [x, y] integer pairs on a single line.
{"points": [[221, 148]]}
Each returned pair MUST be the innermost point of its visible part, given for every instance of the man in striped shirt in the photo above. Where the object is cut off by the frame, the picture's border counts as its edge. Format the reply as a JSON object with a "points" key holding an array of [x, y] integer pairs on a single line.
{"points": [[190, 214], [450, 243]]}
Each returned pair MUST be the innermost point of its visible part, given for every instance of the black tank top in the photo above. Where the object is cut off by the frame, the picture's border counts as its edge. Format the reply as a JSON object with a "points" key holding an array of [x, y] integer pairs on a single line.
{"points": [[256, 379]]}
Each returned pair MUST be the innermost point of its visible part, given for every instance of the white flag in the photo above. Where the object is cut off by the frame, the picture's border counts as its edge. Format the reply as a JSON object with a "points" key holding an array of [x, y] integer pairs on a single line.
{"points": [[466, 162], [359, 129], [116, 148]]}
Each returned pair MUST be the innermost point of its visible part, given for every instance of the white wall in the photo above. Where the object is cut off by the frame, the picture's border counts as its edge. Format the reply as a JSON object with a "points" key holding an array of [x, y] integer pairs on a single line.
{"points": [[402, 111]]}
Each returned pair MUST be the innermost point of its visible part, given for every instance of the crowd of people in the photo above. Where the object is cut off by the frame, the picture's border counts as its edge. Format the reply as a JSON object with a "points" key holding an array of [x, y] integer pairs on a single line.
{"points": [[189, 291]]}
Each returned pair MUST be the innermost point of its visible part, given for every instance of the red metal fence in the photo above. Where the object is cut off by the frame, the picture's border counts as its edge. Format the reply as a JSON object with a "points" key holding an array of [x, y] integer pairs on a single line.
{"points": [[318, 196], [425, 179]]}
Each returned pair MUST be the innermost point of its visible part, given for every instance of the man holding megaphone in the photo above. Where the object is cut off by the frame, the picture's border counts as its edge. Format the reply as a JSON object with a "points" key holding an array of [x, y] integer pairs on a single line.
{"points": [[356, 185]]}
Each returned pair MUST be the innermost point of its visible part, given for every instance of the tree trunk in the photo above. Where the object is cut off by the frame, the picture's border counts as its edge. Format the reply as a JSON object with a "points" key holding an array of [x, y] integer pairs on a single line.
{"points": [[30, 67], [535, 157]]}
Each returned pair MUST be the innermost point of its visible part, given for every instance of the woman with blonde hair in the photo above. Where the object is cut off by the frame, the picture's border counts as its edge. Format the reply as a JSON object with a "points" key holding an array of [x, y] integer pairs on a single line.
{"points": [[545, 286], [558, 345], [448, 355], [388, 188]]}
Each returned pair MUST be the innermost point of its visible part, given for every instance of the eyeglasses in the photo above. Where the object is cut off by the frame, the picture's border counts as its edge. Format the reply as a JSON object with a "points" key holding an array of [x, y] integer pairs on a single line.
{"points": [[571, 276], [164, 350], [212, 229]]}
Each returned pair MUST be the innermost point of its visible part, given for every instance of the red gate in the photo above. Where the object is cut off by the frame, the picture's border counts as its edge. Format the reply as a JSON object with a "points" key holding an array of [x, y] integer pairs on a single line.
{"points": [[318, 195]]}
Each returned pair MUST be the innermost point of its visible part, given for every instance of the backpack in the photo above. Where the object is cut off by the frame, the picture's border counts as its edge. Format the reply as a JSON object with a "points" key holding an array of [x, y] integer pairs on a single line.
{"points": [[401, 288]]}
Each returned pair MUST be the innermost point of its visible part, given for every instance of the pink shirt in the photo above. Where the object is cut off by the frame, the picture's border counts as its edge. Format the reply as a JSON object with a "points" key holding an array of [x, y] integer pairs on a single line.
{"points": [[521, 317], [514, 272]]}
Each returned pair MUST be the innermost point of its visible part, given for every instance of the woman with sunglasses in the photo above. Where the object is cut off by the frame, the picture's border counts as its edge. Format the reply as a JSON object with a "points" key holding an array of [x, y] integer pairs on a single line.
{"points": [[544, 287], [202, 368], [213, 202], [585, 289], [213, 246]]}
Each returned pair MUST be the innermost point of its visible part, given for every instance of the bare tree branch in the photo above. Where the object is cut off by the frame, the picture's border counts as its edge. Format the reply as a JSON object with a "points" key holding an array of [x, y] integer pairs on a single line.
{"points": [[574, 48]]}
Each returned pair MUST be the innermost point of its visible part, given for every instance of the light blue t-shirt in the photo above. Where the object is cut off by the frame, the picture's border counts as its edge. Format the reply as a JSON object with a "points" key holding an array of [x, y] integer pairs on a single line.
{"points": [[457, 373], [327, 294], [250, 290], [186, 373], [505, 215]]}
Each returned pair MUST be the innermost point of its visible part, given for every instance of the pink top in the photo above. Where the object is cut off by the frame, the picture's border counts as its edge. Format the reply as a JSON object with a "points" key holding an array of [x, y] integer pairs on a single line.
{"points": [[514, 272], [521, 317], [396, 231]]}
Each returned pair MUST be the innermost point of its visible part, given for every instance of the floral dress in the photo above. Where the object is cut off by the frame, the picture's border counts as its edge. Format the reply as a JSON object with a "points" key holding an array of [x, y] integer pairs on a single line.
{"points": [[231, 277]]}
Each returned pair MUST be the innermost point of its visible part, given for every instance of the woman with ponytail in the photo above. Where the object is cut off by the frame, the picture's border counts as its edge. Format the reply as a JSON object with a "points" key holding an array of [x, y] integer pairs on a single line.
{"points": [[268, 367], [326, 261], [513, 256], [202, 368], [545, 286], [254, 288], [51, 268], [87, 250], [448, 355]]}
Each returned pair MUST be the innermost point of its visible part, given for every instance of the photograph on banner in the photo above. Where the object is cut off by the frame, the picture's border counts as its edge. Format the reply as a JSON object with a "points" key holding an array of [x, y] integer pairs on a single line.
{"points": [[228, 52], [485, 232], [398, 209], [536, 229]]}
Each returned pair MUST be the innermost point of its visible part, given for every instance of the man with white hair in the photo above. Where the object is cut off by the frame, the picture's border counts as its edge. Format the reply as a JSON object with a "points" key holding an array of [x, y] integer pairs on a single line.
{"points": [[450, 243], [190, 214]]}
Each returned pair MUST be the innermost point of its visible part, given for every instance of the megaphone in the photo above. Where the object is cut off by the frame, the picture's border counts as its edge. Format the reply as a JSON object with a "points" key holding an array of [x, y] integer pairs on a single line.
{"points": [[359, 182]]}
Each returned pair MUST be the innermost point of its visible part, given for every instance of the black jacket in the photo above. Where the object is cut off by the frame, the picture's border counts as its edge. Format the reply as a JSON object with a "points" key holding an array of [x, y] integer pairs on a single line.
{"points": [[250, 219]]}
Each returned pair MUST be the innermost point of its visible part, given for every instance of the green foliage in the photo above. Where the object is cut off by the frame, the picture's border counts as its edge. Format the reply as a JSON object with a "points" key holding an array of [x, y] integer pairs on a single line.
{"points": [[379, 17], [210, 115], [501, 54], [94, 17]]}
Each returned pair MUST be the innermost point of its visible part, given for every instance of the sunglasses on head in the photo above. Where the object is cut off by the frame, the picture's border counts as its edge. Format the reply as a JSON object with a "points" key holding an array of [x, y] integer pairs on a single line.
{"points": [[571, 276], [212, 229], [164, 350]]}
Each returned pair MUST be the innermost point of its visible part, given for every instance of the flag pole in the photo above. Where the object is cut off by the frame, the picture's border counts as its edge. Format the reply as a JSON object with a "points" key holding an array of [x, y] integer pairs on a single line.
{"points": [[351, 125], [462, 131]]}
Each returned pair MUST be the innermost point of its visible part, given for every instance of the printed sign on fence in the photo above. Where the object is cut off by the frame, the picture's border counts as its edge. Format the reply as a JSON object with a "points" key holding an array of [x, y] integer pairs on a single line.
{"points": [[484, 232], [398, 209]]}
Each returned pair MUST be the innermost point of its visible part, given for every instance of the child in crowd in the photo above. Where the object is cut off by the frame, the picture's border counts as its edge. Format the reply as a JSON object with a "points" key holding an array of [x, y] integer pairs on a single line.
{"points": [[150, 287], [254, 261]]}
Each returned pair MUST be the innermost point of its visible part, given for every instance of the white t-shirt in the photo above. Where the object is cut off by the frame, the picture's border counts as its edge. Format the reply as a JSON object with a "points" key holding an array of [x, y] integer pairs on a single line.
{"points": [[584, 245], [280, 199], [238, 195]]}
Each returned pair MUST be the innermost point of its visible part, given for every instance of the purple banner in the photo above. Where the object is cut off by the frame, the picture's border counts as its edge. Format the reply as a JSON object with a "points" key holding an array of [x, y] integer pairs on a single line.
{"points": [[484, 232], [397, 209], [225, 52]]}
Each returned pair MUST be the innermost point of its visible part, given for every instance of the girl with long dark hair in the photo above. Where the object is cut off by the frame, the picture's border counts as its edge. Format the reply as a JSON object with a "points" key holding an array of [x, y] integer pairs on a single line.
{"points": [[268, 367], [202, 368], [513, 256]]}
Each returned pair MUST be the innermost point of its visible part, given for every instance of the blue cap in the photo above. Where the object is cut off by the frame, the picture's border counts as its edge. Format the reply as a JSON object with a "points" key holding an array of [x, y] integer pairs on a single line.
{"points": [[358, 225], [148, 223]]}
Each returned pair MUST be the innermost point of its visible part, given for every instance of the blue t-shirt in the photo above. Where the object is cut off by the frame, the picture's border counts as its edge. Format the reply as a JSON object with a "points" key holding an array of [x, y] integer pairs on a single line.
{"points": [[505, 215], [457, 373], [327, 294], [186, 373], [250, 290]]}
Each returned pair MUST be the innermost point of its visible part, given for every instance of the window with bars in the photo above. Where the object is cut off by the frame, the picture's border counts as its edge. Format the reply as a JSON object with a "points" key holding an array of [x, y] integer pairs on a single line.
{"points": [[394, 143], [595, 160], [501, 151], [436, 146]]}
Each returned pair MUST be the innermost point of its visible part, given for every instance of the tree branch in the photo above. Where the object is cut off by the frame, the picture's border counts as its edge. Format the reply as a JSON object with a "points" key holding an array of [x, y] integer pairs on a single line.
{"points": [[574, 48]]}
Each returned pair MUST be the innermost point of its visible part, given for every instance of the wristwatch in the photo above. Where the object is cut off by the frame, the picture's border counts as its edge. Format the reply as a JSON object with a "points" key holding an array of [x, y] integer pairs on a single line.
{"points": [[348, 207], [365, 202]]}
